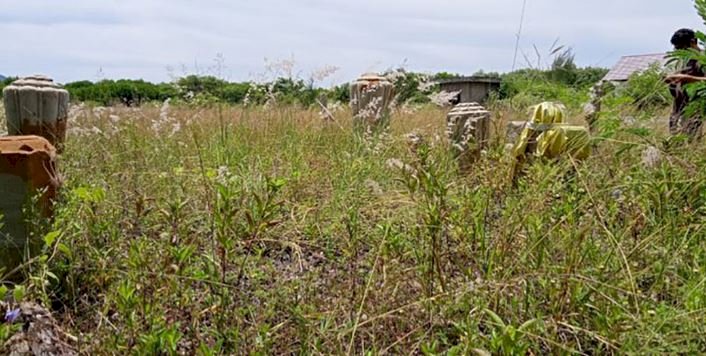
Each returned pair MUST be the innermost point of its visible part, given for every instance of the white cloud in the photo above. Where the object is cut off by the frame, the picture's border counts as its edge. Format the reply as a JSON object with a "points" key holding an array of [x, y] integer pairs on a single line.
{"points": [[141, 38]]}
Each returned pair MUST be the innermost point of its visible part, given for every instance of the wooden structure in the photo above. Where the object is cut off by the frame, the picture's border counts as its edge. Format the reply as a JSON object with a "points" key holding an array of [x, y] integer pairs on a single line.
{"points": [[473, 89]]}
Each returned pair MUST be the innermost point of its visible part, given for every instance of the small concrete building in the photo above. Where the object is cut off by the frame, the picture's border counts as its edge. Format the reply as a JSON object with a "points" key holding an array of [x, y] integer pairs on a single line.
{"points": [[473, 89]]}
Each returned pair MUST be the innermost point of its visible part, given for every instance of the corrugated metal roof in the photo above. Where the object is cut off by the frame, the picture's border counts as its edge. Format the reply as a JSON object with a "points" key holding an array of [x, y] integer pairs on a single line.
{"points": [[629, 65], [473, 79]]}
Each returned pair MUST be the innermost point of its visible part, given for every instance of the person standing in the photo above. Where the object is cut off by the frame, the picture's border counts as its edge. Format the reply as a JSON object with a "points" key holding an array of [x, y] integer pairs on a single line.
{"points": [[689, 72]]}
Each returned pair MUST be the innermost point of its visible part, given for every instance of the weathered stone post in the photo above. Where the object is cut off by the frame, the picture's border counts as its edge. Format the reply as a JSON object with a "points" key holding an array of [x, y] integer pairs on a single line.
{"points": [[468, 129], [37, 106], [592, 110], [27, 167], [371, 96], [513, 131]]}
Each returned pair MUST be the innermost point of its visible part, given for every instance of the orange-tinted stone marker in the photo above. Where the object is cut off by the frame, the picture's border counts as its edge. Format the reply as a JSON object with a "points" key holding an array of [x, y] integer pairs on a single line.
{"points": [[27, 167]]}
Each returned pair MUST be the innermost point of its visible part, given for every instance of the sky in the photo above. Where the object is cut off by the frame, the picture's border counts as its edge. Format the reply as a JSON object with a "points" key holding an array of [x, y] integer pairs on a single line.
{"points": [[241, 40]]}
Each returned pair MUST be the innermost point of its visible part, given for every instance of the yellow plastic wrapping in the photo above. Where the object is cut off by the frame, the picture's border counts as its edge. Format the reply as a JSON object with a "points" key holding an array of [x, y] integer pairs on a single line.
{"points": [[574, 141], [554, 136]]}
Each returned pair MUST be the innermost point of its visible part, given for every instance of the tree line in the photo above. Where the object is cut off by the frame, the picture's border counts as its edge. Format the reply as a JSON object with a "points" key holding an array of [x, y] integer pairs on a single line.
{"points": [[411, 87]]}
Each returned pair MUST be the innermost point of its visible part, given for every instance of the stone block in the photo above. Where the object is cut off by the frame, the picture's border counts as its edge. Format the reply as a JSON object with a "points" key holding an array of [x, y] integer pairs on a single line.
{"points": [[468, 129], [37, 106], [371, 96], [27, 167], [513, 131]]}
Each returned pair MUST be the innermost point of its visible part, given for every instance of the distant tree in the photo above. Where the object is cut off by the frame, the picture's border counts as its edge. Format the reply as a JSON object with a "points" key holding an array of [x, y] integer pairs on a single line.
{"points": [[482, 73], [446, 75], [588, 76], [341, 93], [563, 69], [200, 84], [234, 93], [7, 81], [124, 91]]}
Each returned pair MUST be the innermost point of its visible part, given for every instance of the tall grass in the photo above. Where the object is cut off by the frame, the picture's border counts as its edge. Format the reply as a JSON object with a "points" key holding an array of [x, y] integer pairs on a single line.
{"points": [[226, 230]]}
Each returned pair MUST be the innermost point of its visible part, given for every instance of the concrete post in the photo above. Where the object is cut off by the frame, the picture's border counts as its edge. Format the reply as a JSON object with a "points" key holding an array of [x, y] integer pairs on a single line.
{"points": [[371, 96], [37, 106], [468, 129]]}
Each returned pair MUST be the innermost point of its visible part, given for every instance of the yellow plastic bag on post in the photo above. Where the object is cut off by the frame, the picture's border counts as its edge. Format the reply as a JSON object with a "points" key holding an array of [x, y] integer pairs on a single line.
{"points": [[546, 135], [575, 141], [541, 128]]}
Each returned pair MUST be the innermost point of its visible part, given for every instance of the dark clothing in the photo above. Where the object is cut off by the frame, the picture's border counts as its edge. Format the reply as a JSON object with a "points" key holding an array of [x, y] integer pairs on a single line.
{"points": [[678, 123]]}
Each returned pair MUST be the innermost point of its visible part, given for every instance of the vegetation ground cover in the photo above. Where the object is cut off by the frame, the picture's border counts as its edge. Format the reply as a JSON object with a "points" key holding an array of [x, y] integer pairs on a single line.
{"points": [[266, 230]]}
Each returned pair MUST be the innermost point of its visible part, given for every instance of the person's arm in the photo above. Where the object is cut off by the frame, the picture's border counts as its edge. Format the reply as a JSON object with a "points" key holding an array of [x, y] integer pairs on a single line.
{"points": [[683, 78]]}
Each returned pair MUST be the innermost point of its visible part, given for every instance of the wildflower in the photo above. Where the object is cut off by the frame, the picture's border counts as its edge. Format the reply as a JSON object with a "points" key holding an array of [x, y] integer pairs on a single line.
{"points": [[323, 73], [444, 98], [459, 147], [99, 111], [396, 74], [629, 120], [395, 163], [176, 127], [281, 67], [415, 140], [11, 315], [223, 174], [409, 109], [75, 111], [651, 157], [374, 187], [164, 110]]}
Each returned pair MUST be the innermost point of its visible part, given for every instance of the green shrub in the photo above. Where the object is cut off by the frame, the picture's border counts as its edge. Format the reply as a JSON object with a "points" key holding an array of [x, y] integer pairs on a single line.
{"points": [[646, 90]]}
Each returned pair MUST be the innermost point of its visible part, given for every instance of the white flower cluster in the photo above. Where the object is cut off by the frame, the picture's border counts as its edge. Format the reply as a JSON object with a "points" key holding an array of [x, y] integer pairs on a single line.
{"points": [[223, 175], [444, 98], [79, 117], [166, 124], [373, 111], [322, 73], [651, 157], [376, 143]]}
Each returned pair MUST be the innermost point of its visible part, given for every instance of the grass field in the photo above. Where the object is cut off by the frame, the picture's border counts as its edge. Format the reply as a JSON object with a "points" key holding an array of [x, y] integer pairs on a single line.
{"points": [[229, 230]]}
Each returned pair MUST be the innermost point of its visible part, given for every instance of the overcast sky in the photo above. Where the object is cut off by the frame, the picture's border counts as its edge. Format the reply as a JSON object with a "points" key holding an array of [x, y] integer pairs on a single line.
{"points": [[156, 39]]}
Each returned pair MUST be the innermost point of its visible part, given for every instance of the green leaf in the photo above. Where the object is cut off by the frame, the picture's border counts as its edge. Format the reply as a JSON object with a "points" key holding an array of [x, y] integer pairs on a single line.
{"points": [[65, 250], [639, 131], [18, 293], [527, 324], [52, 276], [277, 184], [700, 6], [89, 195], [495, 318], [51, 237]]}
